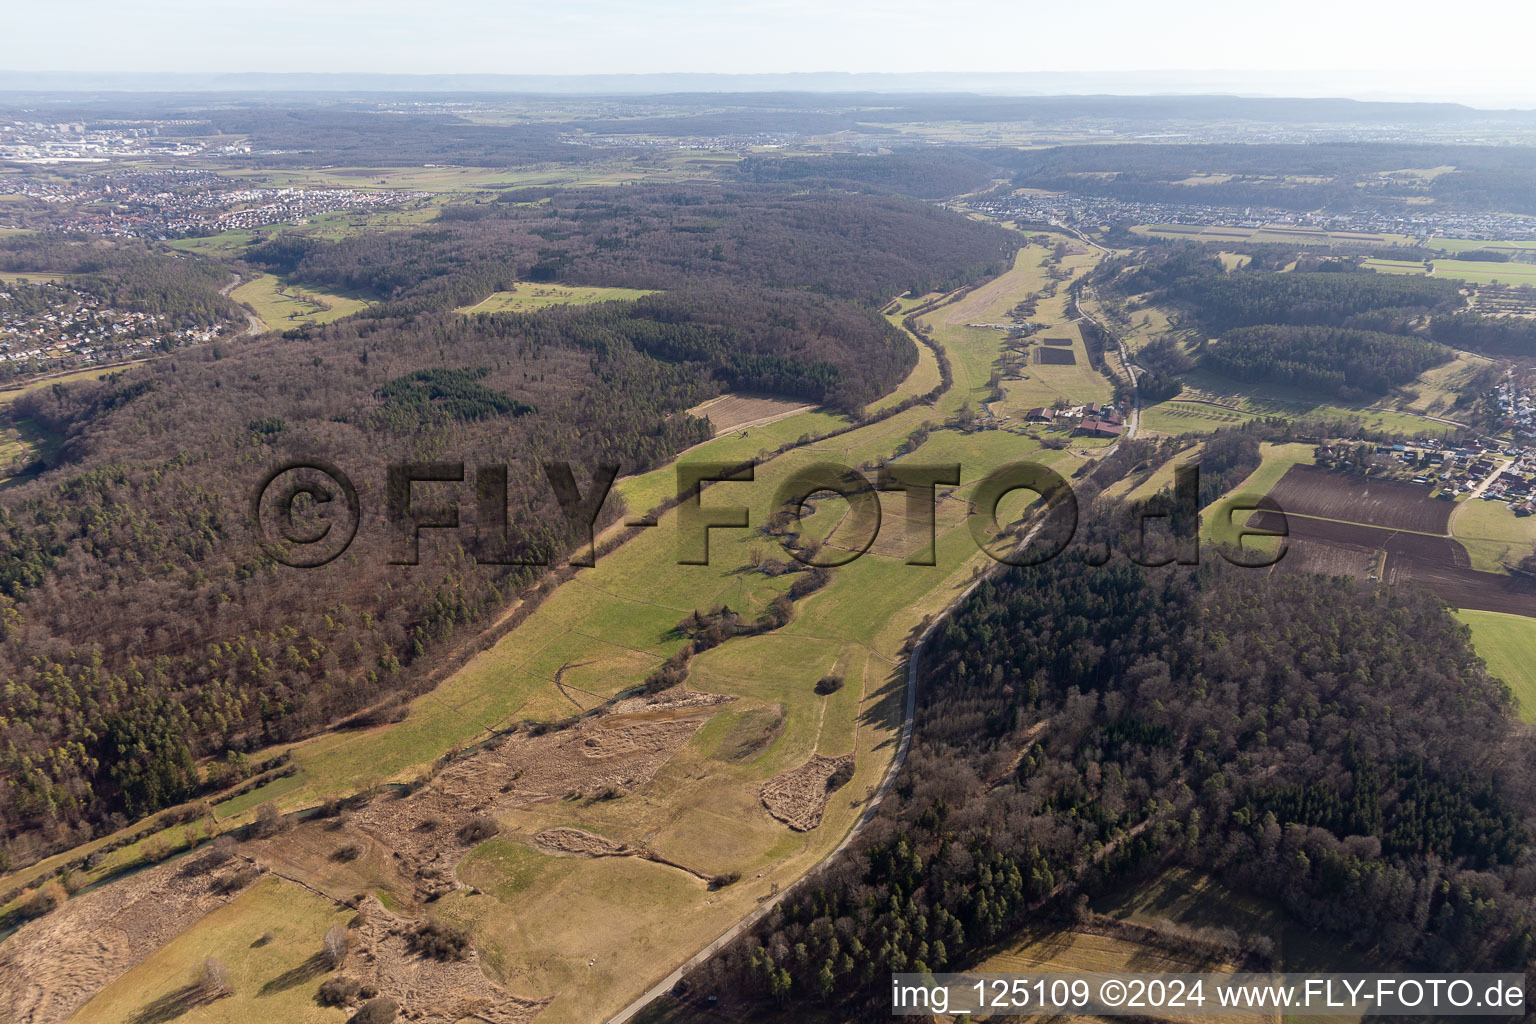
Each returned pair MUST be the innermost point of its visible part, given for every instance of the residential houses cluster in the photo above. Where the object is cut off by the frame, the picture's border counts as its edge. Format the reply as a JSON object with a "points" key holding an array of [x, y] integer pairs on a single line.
{"points": [[1084, 212], [1515, 399], [179, 202], [59, 328], [1491, 469]]}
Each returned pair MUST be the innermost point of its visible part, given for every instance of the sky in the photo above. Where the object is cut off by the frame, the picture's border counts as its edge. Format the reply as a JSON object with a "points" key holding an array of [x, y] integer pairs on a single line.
{"points": [[1425, 45]]}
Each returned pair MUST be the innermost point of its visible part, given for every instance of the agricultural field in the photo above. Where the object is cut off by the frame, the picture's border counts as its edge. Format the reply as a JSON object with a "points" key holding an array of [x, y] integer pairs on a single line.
{"points": [[1221, 519], [1391, 504], [1454, 245], [10, 394], [1107, 948], [1470, 271], [611, 830], [737, 411], [1276, 233], [527, 298], [1437, 563], [36, 277], [280, 305], [1435, 391], [1050, 372], [1175, 417], [1142, 484], [1508, 644]]}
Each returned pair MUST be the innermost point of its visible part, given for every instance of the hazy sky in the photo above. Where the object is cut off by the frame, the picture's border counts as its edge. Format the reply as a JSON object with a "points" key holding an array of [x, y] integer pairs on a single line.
{"points": [[1430, 38]]}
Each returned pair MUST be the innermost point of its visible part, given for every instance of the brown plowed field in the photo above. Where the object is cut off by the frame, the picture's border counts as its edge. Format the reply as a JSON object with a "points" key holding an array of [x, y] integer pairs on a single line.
{"points": [[1323, 558], [1439, 564], [1393, 504], [730, 412]]}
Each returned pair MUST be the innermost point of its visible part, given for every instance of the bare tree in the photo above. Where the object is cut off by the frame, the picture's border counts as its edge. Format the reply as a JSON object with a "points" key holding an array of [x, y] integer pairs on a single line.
{"points": [[334, 947], [214, 979]]}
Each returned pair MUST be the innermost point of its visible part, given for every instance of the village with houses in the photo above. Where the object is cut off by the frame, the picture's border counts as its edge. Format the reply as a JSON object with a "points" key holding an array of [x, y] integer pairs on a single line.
{"points": [[174, 203], [48, 327]]}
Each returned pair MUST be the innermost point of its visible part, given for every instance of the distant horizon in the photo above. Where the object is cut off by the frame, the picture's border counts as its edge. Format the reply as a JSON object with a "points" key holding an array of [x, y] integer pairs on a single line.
{"points": [[1491, 90]]}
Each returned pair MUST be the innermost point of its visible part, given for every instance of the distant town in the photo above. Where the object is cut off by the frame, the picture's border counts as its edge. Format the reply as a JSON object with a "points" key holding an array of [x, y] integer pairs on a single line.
{"points": [[1087, 212], [175, 203]]}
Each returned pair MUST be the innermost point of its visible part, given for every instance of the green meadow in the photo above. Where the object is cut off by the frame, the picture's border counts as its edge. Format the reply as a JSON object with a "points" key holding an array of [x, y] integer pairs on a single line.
{"points": [[612, 624]]}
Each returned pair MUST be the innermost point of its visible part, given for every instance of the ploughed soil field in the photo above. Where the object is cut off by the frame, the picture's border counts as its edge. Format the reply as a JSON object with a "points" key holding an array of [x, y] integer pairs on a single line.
{"points": [[1394, 504], [740, 409], [1439, 564]]}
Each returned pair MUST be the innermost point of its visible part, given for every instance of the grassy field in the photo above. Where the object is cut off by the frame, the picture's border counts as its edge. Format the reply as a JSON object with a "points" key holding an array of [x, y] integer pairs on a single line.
{"points": [[34, 276], [1469, 244], [1175, 417], [1218, 520], [1217, 394], [1508, 644], [550, 915], [274, 980], [1470, 271], [448, 179], [24, 440], [9, 395], [529, 298], [1277, 233], [1037, 384], [1493, 535], [281, 306]]}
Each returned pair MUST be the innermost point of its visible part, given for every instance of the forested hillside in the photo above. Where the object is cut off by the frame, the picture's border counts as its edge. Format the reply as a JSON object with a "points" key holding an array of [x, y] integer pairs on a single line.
{"points": [[140, 533], [1333, 746], [860, 248], [1337, 360], [1224, 301]]}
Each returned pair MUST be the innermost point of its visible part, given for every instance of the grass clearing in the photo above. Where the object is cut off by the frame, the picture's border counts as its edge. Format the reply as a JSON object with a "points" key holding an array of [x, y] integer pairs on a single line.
{"points": [[529, 298], [1194, 900], [1222, 518], [280, 305], [1508, 644], [10, 394], [274, 980]]}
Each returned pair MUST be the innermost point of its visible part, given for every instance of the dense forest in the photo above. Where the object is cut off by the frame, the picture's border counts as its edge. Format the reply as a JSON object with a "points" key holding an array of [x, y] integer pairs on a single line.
{"points": [[1225, 301], [925, 173], [1490, 335], [140, 532], [1347, 363], [860, 248], [1335, 747]]}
